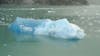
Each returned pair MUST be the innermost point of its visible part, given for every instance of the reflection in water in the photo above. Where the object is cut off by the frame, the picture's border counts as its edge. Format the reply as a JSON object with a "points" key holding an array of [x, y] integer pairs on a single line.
{"points": [[22, 38], [60, 42], [25, 45]]}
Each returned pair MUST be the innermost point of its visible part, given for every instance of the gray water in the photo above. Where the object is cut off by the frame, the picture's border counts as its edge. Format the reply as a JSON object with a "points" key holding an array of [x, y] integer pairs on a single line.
{"points": [[87, 17]]}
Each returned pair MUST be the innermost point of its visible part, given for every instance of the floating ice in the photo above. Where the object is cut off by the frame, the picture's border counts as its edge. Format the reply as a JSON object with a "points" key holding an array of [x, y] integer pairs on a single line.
{"points": [[51, 11], [9, 55], [61, 28], [5, 45], [2, 18]]}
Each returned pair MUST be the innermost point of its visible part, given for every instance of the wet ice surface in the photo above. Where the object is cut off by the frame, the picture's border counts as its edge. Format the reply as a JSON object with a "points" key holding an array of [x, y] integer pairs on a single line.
{"points": [[61, 28]]}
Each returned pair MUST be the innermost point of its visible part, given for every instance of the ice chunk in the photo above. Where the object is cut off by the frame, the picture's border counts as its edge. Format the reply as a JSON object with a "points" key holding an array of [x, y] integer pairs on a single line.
{"points": [[61, 28], [21, 25]]}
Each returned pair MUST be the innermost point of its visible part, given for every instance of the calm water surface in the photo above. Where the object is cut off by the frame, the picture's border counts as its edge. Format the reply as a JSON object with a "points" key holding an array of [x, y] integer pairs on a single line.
{"points": [[87, 18]]}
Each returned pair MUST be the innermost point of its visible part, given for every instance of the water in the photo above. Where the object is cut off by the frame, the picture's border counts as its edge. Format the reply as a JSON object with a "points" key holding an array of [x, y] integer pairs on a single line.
{"points": [[87, 17]]}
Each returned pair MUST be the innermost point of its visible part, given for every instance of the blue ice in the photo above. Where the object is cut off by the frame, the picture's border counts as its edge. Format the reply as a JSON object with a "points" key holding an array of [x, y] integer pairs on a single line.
{"points": [[60, 28]]}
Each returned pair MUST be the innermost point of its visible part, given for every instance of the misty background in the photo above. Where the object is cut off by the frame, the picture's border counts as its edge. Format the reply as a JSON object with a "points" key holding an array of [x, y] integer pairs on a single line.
{"points": [[48, 2], [51, 2]]}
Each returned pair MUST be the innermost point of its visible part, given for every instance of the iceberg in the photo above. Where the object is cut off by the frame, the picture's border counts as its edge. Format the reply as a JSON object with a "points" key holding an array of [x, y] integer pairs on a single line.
{"points": [[60, 28]]}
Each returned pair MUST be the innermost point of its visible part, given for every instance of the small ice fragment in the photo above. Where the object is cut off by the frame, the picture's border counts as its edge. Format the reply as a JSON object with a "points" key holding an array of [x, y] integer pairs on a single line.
{"points": [[97, 13], [51, 11], [79, 15], [9, 55], [33, 9], [90, 24], [4, 45], [85, 10], [82, 17], [11, 15], [2, 18]]}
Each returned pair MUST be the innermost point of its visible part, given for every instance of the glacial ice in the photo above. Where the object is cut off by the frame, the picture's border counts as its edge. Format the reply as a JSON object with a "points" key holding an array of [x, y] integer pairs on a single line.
{"points": [[61, 28]]}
